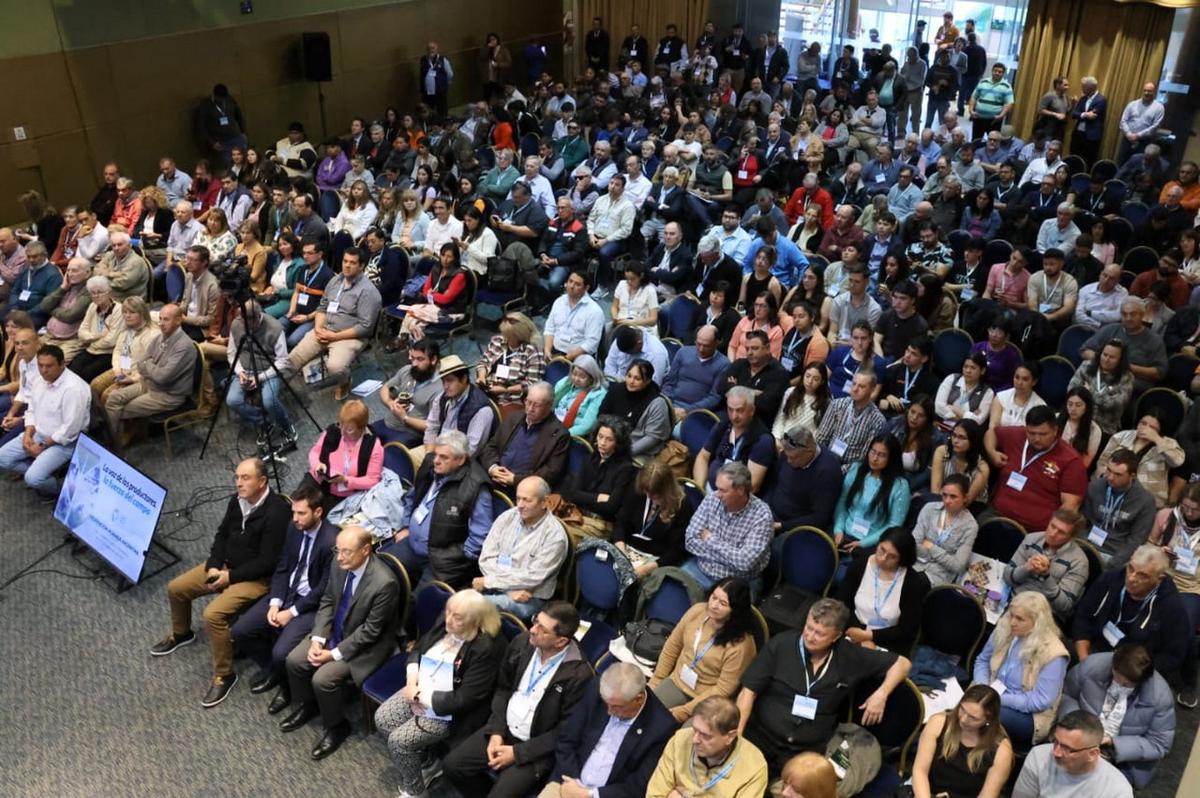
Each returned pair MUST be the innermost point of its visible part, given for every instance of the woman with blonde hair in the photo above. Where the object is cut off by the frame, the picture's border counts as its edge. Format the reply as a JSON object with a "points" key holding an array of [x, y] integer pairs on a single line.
{"points": [[1027, 656], [650, 526], [448, 686], [809, 775], [255, 253], [964, 752], [412, 223], [512, 361], [154, 224], [130, 343]]}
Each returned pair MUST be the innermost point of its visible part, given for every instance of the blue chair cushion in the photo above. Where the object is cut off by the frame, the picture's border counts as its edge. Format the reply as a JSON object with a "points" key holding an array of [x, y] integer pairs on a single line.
{"points": [[387, 681]]}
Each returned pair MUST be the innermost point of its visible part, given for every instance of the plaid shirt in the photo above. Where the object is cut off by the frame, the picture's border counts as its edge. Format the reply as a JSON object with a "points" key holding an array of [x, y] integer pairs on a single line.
{"points": [[856, 430], [739, 543], [526, 364]]}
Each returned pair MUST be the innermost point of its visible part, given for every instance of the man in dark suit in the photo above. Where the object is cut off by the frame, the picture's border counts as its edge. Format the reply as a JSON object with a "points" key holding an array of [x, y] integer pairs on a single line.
{"points": [[769, 63], [612, 740], [277, 623], [595, 44], [669, 266], [542, 677], [529, 444], [1089, 112], [353, 634], [712, 267], [359, 140], [237, 572]]}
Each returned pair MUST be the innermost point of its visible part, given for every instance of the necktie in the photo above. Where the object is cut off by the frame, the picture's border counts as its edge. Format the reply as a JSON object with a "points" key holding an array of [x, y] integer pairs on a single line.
{"points": [[339, 617], [301, 565]]}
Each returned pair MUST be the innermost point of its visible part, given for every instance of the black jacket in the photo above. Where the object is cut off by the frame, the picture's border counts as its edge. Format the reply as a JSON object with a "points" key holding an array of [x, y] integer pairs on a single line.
{"points": [[637, 756], [251, 549], [566, 687], [898, 638], [679, 271], [570, 241], [474, 679], [725, 270], [674, 206], [614, 477], [549, 450]]}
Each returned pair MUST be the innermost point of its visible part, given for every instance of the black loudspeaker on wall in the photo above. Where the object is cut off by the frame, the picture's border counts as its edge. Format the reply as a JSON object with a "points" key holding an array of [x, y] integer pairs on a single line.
{"points": [[318, 61]]}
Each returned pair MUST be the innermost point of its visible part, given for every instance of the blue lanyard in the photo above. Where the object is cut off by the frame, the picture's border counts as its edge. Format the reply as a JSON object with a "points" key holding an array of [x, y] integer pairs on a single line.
{"points": [[1025, 463], [1112, 503], [879, 604], [809, 682], [909, 382], [722, 773], [308, 281], [535, 676], [850, 372], [1007, 666], [1121, 612], [943, 530]]}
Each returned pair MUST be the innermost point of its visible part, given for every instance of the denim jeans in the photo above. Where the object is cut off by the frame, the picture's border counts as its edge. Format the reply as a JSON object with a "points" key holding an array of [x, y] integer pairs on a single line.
{"points": [[295, 332], [692, 568], [39, 471], [271, 408], [523, 610], [937, 109]]}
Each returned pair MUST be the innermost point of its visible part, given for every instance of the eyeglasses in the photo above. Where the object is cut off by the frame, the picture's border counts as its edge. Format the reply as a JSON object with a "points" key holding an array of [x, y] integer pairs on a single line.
{"points": [[344, 552]]}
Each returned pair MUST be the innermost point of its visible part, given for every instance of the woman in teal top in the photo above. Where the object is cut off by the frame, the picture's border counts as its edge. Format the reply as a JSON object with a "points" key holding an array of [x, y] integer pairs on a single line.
{"points": [[874, 496], [278, 297], [578, 395]]}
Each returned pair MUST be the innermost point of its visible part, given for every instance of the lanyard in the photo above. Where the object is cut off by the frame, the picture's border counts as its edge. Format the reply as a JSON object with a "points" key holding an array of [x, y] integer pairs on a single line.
{"points": [[535, 675], [1112, 504], [310, 279], [722, 773], [880, 604], [1120, 607], [809, 682], [700, 652], [1046, 287], [910, 381], [850, 372], [1007, 666], [943, 531], [338, 298], [648, 518], [1027, 461], [1181, 530]]}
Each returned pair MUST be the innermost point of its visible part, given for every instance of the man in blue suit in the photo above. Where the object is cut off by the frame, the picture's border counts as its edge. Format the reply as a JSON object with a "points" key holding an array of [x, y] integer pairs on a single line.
{"points": [[281, 619], [612, 740], [1089, 114]]}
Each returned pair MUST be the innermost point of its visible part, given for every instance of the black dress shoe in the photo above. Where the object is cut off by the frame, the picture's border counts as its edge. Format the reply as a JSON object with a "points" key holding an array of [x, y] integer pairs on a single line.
{"points": [[268, 681], [331, 741], [280, 702], [302, 715], [218, 691]]}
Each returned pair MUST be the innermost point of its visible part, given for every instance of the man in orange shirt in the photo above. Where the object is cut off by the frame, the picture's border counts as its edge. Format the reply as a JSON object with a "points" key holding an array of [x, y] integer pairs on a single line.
{"points": [[947, 34], [128, 209], [1187, 180]]}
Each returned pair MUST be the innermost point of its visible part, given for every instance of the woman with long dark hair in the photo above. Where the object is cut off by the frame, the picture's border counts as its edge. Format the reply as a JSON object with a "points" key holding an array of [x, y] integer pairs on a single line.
{"points": [[963, 453], [980, 218], [445, 297], [804, 404], [639, 402], [966, 394], [707, 651], [874, 497], [763, 316], [934, 304], [602, 483], [915, 432], [964, 752], [811, 289], [1079, 428], [804, 343], [885, 593], [1110, 381]]}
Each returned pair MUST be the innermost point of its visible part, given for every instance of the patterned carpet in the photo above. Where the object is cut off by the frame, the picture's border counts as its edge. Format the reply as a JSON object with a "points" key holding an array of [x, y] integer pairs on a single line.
{"points": [[91, 713]]}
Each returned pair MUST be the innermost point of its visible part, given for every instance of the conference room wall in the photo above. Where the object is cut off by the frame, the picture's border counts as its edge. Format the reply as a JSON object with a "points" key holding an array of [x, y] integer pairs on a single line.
{"points": [[132, 100]]}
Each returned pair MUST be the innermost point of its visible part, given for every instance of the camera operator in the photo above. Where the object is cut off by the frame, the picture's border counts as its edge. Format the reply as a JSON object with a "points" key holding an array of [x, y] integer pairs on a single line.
{"points": [[254, 390], [200, 293]]}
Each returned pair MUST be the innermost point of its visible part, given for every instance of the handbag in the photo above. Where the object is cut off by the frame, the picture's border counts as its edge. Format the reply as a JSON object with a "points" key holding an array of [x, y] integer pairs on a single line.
{"points": [[502, 275], [647, 638], [675, 456]]}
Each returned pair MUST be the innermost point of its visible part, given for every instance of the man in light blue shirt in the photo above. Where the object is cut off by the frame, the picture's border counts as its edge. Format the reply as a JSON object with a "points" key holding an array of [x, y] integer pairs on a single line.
{"points": [[632, 343], [790, 263], [735, 241], [904, 196], [694, 378], [575, 322], [174, 183]]}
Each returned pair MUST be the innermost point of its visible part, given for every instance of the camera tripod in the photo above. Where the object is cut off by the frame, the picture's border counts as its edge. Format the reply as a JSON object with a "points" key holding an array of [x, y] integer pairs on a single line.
{"points": [[256, 351]]}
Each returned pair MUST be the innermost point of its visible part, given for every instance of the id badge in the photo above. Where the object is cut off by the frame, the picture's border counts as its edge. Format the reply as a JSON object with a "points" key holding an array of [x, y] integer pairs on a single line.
{"points": [[743, 174], [880, 178], [1185, 560], [838, 447], [126, 362], [503, 372], [197, 206], [688, 676], [967, 294], [1045, 307], [860, 528], [421, 513], [24, 295], [1098, 535], [787, 363], [804, 707], [223, 121], [1017, 481], [1112, 634], [332, 307], [302, 300], [504, 561]]}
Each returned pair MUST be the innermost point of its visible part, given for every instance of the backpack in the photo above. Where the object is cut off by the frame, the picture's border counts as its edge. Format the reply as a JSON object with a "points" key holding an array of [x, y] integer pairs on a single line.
{"points": [[502, 275], [856, 758], [786, 607]]}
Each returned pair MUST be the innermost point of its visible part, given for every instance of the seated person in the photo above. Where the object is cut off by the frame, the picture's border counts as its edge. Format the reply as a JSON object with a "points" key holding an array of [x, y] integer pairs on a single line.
{"points": [[57, 408], [651, 526], [803, 405], [1142, 605], [601, 483], [449, 678], [945, 533], [344, 320], [1011, 404], [859, 356], [308, 290], [1175, 530], [761, 373], [853, 306], [1082, 771], [1147, 354], [635, 302], [1025, 661], [639, 402], [130, 341], [200, 292], [19, 370], [127, 272], [1119, 511], [241, 559], [916, 432], [1052, 563], [1039, 472], [885, 593], [802, 493], [875, 496], [763, 318], [93, 336], [65, 308], [346, 458], [252, 374], [522, 553], [542, 675], [1133, 703], [668, 268], [613, 738], [720, 314], [730, 533], [353, 634], [1053, 293], [635, 343], [38, 280], [694, 377], [965, 750], [1155, 456], [461, 406], [741, 437], [809, 674], [283, 617], [166, 377], [575, 322], [511, 362], [1109, 382], [711, 752], [707, 651], [409, 395], [850, 423], [577, 396], [966, 394], [532, 443], [609, 225], [446, 515], [900, 324]]}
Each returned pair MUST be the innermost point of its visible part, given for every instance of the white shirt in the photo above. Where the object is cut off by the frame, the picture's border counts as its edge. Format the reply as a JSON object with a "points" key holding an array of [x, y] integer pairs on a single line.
{"points": [[59, 409], [653, 350], [580, 326], [1014, 414], [1096, 308], [636, 191], [235, 206], [356, 221], [526, 696], [1037, 169], [438, 233], [611, 220], [93, 244], [879, 609]]}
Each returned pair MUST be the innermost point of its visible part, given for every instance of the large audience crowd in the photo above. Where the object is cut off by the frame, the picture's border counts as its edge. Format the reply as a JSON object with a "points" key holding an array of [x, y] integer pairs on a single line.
{"points": [[743, 301]]}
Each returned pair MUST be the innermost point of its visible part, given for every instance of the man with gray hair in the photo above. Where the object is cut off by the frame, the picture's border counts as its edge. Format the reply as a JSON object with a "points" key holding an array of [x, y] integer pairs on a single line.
{"points": [[793, 692], [38, 280], [742, 437], [1146, 352], [611, 741], [522, 553], [529, 444], [807, 483], [445, 517], [1060, 232], [127, 272], [715, 263], [664, 203], [1089, 113], [730, 532]]}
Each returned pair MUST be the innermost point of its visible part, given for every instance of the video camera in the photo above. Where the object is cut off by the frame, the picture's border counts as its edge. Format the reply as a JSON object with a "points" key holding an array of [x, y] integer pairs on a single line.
{"points": [[233, 277]]}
